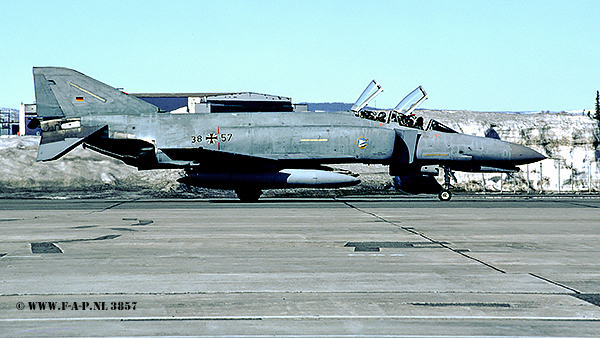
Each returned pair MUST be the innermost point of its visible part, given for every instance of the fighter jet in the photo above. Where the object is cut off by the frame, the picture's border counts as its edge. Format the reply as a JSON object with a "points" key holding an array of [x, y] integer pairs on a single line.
{"points": [[252, 151]]}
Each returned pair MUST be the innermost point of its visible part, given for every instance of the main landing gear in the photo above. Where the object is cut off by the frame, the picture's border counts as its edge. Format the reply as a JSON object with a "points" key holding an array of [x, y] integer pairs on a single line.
{"points": [[248, 195], [445, 194]]}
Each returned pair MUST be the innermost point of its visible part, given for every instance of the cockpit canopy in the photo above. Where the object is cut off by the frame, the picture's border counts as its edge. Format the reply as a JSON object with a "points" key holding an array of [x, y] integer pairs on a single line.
{"points": [[411, 101], [372, 90], [401, 114]]}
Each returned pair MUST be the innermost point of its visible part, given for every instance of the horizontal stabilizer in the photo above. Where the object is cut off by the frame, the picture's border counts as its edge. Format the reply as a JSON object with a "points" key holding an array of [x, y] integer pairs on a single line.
{"points": [[57, 141]]}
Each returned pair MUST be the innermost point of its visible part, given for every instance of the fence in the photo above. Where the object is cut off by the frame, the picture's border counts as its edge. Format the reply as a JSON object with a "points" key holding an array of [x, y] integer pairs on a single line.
{"points": [[549, 176]]}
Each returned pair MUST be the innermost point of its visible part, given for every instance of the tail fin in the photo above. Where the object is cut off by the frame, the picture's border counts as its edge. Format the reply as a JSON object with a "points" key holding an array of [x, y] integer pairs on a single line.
{"points": [[63, 96], [63, 92]]}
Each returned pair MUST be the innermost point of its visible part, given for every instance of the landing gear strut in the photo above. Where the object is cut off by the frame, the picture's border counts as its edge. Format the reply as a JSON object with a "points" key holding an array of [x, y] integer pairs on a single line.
{"points": [[445, 194]]}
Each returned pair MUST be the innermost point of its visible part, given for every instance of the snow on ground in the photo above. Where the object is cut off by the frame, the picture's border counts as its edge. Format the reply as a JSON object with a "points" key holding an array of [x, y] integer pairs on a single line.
{"points": [[566, 138], [81, 172]]}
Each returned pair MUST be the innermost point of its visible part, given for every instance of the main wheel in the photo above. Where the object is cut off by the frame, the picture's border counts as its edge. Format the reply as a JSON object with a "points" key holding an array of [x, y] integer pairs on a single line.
{"points": [[445, 195], [248, 196]]}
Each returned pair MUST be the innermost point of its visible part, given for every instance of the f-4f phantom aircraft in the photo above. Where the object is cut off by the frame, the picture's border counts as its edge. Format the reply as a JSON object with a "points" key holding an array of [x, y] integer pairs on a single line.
{"points": [[250, 152]]}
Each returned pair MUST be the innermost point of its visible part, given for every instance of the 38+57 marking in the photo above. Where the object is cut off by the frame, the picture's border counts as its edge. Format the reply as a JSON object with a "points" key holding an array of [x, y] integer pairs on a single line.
{"points": [[212, 138]]}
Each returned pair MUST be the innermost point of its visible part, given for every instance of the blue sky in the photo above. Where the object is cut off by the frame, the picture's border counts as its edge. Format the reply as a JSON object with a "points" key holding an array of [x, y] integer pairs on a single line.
{"points": [[474, 55]]}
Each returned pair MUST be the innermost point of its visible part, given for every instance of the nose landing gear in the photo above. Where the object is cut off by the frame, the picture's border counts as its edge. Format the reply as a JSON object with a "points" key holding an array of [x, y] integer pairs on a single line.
{"points": [[445, 194]]}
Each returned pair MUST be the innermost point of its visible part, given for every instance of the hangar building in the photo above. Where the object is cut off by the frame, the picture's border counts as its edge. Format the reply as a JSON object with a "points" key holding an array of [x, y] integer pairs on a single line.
{"points": [[218, 102]]}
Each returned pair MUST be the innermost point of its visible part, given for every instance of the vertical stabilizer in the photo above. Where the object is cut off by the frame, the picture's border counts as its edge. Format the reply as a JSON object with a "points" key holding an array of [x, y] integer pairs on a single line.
{"points": [[63, 92]]}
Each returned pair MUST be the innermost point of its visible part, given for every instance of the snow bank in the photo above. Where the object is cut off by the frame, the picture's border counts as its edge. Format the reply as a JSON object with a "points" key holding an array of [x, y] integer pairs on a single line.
{"points": [[80, 173]]}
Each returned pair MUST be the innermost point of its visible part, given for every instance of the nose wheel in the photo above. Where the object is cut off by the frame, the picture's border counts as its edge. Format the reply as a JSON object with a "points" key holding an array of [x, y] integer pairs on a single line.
{"points": [[445, 194]]}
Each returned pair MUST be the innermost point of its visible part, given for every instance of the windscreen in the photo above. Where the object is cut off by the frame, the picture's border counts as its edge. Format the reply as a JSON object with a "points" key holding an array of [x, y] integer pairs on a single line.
{"points": [[435, 125]]}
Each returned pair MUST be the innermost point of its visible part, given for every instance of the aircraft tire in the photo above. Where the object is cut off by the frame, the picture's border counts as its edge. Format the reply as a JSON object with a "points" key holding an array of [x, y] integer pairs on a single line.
{"points": [[445, 195], [248, 196]]}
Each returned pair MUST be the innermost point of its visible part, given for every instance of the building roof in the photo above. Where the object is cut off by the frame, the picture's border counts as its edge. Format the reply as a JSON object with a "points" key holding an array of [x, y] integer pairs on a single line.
{"points": [[238, 96]]}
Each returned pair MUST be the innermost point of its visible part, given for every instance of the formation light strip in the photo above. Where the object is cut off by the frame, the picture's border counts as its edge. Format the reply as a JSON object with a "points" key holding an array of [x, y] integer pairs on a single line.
{"points": [[87, 92]]}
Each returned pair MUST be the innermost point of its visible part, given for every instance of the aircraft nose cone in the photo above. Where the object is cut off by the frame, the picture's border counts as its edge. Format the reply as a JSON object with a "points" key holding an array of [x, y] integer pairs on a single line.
{"points": [[524, 155]]}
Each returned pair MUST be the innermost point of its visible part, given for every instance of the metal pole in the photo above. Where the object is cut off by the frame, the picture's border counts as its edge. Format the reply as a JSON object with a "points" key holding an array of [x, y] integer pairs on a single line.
{"points": [[501, 183], [541, 180], [483, 180], [559, 177], [572, 179], [527, 178]]}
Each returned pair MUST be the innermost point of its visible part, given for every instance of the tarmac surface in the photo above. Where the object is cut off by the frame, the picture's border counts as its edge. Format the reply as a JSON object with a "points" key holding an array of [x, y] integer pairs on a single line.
{"points": [[307, 267]]}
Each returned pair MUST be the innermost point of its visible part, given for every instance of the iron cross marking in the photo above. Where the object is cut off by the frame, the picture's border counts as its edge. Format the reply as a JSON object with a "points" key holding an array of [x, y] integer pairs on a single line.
{"points": [[211, 138]]}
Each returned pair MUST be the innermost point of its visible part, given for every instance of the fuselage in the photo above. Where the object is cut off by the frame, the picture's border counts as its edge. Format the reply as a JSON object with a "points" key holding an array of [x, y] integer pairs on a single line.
{"points": [[322, 137], [303, 137]]}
